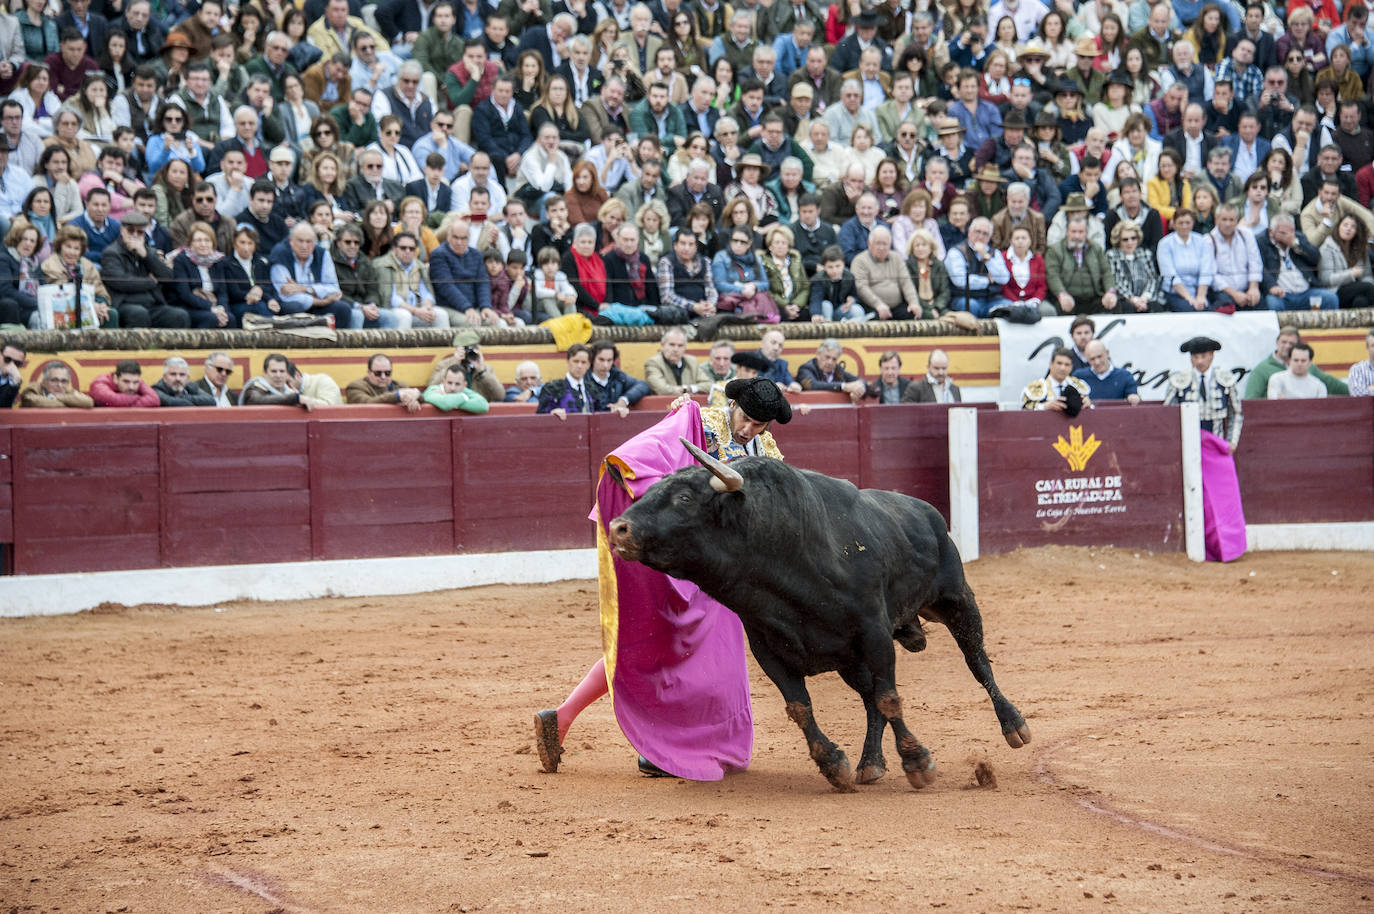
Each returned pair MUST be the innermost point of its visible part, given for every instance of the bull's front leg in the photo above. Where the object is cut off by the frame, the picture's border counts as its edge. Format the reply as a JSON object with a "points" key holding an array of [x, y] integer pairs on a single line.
{"points": [[831, 760]]}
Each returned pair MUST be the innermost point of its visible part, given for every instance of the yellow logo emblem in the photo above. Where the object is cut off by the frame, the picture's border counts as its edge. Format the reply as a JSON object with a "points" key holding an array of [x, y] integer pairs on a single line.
{"points": [[1077, 451]]}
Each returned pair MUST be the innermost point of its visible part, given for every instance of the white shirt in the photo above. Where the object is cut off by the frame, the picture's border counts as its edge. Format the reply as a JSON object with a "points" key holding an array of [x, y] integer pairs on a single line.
{"points": [[943, 394], [462, 189], [1247, 160]]}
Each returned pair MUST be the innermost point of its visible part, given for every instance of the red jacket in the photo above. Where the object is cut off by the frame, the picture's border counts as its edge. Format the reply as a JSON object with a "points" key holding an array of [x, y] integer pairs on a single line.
{"points": [[1037, 288], [105, 392], [1364, 185]]}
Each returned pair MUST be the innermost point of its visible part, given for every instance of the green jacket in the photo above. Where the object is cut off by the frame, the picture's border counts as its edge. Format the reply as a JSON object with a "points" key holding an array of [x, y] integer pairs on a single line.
{"points": [[258, 66], [1257, 383], [467, 399], [801, 285], [359, 135], [939, 286], [435, 52], [675, 123], [1084, 283]]}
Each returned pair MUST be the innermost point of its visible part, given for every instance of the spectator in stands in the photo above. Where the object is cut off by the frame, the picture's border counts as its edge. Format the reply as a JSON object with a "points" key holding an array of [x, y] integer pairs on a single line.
{"points": [[890, 387], [1187, 266], [369, 185], [834, 293], [684, 281], [246, 278], [123, 387], [936, 386], [528, 381], [629, 274], [740, 279], [460, 279], [717, 368], [1290, 269], [467, 352], [99, 229], [175, 388], [1319, 217], [20, 274], [1361, 378], [53, 390], [1296, 381], [609, 386], [695, 188], [569, 394], [137, 276], [500, 127], [274, 387], [1257, 381], [770, 347], [205, 202], [377, 386], [811, 234], [304, 278], [14, 355], [671, 371], [1238, 265], [882, 281], [198, 283], [262, 217], [68, 265], [1345, 262], [1104, 380], [219, 367], [977, 271], [404, 287], [827, 372], [453, 393]]}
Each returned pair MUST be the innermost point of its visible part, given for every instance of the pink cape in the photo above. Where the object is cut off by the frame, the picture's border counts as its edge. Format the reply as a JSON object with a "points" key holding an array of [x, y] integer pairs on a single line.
{"points": [[675, 657], [1223, 518]]}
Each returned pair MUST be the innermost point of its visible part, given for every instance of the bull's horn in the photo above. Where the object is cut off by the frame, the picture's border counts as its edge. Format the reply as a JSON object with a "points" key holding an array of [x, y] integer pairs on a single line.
{"points": [[725, 479]]}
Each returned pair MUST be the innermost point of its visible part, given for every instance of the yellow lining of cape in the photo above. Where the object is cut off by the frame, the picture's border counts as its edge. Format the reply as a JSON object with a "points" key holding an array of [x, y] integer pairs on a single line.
{"points": [[609, 593]]}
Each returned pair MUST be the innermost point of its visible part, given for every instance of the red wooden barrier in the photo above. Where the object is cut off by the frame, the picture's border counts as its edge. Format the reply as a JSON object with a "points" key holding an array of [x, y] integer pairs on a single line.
{"points": [[86, 498], [381, 488], [825, 440], [906, 449], [1290, 475], [1124, 486], [521, 482], [6, 489], [235, 493]]}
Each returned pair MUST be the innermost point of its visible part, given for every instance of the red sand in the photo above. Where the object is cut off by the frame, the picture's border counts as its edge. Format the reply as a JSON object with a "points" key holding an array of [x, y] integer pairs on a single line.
{"points": [[1201, 743]]}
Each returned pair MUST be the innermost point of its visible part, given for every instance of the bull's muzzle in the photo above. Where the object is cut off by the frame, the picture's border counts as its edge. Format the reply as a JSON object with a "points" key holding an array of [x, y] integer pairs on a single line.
{"points": [[622, 540]]}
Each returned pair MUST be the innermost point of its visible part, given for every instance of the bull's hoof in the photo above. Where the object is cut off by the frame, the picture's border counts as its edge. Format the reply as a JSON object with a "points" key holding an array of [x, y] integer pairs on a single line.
{"points": [[871, 772], [1017, 734], [546, 739], [920, 772], [834, 764]]}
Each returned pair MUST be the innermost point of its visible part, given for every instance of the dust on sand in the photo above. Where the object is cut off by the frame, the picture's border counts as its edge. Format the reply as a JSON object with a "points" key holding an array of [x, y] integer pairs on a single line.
{"points": [[1201, 744]]}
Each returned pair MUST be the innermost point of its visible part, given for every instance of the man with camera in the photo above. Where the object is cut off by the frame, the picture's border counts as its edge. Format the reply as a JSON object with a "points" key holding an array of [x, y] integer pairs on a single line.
{"points": [[467, 353]]}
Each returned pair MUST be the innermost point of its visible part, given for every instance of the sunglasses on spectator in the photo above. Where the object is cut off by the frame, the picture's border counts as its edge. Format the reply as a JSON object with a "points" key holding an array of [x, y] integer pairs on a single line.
{"points": [[383, 374], [19, 362], [447, 125], [1020, 81], [348, 241], [391, 132], [372, 165], [367, 47], [224, 369], [324, 131], [405, 247], [204, 199], [174, 118]]}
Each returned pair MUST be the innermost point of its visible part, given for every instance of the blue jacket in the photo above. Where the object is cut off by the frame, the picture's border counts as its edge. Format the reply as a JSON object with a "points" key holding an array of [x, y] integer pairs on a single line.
{"points": [[460, 283], [1232, 142], [186, 280], [1117, 385], [618, 384], [730, 273], [97, 241], [853, 238]]}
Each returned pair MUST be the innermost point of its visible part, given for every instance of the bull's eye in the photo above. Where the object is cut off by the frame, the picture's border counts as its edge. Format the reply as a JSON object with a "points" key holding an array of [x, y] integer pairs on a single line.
{"points": [[685, 497]]}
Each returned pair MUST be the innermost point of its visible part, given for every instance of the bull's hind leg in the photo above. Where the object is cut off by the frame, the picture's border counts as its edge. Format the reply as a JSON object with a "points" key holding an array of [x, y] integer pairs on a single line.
{"points": [[831, 760], [960, 613], [872, 765]]}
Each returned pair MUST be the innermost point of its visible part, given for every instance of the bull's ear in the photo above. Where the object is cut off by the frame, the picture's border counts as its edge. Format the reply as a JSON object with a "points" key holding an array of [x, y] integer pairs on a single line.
{"points": [[725, 479]]}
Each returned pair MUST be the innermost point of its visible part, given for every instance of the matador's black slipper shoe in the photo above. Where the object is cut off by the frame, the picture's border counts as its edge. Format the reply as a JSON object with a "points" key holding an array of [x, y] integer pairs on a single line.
{"points": [[546, 739], [649, 769]]}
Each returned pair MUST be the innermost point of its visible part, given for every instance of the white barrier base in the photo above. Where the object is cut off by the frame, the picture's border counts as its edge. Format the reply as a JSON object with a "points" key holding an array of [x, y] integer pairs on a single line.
{"points": [[53, 594], [1352, 537]]}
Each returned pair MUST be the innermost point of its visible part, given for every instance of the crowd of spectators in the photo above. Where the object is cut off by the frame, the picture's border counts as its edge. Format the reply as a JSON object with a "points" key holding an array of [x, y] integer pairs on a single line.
{"points": [[450, 163]]}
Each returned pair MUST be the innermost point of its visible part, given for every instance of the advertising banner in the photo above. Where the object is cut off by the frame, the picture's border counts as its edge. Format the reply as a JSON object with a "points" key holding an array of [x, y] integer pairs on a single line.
{"points": [[1144, 344]]}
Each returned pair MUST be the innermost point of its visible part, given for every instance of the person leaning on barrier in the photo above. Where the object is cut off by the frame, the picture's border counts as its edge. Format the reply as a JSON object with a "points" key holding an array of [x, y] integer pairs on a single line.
{"points": [[610, 387], [467, 352], [827, 372], [671, 370], [275, 386], [53, 390], [1296, 382], [215, 382], [1105, 381], [378, 387], [14, 355], [890, 387], [123, 387], [321, 388], [1257, 380], [528, 380], [174, 389], [454, 393]]}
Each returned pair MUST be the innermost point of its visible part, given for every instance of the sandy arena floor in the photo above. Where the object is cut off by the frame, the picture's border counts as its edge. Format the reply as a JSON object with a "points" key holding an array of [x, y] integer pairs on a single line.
{"points": [[1202, 742]]}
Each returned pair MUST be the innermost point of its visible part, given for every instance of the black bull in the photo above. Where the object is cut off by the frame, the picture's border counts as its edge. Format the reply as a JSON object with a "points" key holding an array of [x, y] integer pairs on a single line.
{"points": [[824, 576]]}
